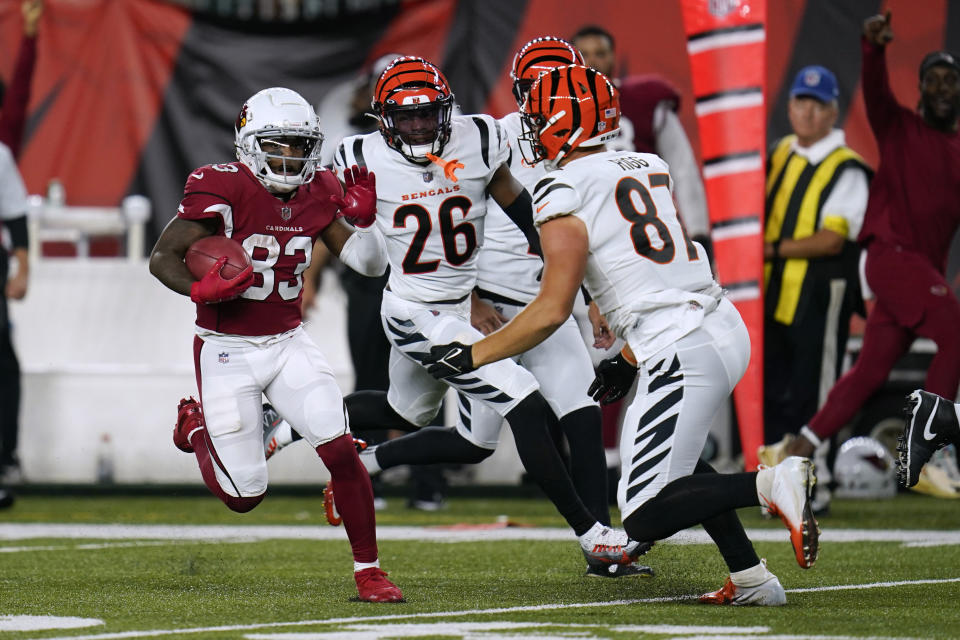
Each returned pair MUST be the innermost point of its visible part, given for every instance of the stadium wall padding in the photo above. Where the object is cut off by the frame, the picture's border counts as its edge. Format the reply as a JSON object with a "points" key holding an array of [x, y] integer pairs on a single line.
{"points": [[130, 96]]}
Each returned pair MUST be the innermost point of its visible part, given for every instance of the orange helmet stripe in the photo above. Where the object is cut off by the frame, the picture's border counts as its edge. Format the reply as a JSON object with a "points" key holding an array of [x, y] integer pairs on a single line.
{"points": [[410, 73], [543, 54]]}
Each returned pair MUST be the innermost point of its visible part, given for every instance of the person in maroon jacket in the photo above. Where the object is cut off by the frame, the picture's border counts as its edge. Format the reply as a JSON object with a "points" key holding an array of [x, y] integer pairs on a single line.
{"points": [[911, 218], [249, 337]]}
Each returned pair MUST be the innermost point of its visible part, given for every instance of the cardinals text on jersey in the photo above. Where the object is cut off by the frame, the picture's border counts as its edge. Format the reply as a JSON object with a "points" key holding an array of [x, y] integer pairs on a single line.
{"points": [[641, 260], [432, 216], [278, 235]]}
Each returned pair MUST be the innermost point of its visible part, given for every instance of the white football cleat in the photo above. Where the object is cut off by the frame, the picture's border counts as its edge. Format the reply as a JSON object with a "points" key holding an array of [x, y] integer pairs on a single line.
{"points": [[608, 546], [791, 499], [766, 594]]}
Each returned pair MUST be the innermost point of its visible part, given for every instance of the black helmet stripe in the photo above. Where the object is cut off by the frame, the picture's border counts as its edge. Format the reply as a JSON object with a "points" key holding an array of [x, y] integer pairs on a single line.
{"points": [[592, 83], [549, 57], [574, 104], [400, 68]]}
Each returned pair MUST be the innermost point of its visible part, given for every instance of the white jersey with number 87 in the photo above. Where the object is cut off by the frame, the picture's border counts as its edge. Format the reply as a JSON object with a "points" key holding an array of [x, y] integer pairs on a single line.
{"points": [[648, 278]]}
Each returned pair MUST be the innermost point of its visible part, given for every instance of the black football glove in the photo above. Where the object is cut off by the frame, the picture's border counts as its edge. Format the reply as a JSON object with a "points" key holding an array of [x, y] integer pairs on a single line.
{"points": [[449, 360], [614, 378]]}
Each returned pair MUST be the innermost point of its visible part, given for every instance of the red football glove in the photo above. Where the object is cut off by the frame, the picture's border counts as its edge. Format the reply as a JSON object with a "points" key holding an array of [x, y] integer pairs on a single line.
{"points": [[359, 204], [213, 287]]}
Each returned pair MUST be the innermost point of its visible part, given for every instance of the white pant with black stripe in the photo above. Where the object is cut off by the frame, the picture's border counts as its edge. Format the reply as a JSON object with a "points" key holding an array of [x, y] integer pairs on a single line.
{"points": [[412, 328], [561, 366], [678, 392]]}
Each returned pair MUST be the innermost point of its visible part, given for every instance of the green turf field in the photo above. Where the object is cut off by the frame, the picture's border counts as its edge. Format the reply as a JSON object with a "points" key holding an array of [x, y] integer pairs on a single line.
{"points": [[887, 569]]}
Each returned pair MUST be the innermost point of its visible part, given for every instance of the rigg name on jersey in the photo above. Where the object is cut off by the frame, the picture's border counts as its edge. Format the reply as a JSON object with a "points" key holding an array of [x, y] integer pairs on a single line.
{"points": [[629, 162], [432, 192]]}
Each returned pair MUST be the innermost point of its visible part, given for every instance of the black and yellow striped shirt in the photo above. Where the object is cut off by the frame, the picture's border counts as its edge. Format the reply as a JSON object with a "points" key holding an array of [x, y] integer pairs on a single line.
{"points": [[796, 191]]}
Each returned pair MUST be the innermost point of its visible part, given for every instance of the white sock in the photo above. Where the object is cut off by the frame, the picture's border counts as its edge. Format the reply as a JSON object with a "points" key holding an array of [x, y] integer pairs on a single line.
{"points": [[808, 433], [765, 485], [369, 460], [360, 566], [284, 434], [751, 577]]}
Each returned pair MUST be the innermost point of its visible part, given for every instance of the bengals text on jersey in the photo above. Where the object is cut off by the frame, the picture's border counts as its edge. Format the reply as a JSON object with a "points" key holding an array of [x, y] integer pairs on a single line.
{"points": [[432, 215]]}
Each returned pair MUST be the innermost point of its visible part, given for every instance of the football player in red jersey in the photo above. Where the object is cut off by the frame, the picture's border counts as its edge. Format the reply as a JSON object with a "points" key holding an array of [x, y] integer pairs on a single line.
{"points": [[249, 338]]}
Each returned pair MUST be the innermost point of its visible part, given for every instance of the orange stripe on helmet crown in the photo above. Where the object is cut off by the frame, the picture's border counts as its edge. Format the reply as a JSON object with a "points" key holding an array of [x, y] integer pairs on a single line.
{"points": [[543, 54], [410, 73], [587, 100]]}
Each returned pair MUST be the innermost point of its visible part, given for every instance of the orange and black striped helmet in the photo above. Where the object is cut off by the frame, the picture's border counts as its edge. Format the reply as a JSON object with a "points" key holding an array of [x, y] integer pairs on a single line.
{"points": [[568, 107], [537, 56], [414, 104]]}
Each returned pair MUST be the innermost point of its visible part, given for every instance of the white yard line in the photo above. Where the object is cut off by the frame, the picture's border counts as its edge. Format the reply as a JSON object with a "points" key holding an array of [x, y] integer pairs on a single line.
{"points": [[472, 612], [253, 533]]}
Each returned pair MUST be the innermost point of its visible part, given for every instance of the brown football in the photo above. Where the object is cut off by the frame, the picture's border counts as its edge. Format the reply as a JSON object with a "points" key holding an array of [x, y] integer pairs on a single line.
{"points": [[204, 252]]}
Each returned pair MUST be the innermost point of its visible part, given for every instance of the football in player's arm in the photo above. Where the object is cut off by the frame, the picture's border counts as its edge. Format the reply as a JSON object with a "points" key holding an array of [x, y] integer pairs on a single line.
{"points": [[364, 253]]}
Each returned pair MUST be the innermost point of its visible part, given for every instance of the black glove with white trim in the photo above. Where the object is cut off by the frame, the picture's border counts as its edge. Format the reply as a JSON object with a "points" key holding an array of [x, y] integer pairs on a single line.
{"points": [[449, 360], [614, 378]]}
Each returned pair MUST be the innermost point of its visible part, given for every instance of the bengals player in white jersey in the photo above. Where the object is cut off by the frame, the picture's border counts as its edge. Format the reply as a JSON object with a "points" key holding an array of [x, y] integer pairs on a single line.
{"points": [[508, 279], [435, 173], [607, 219], [249, 338]]}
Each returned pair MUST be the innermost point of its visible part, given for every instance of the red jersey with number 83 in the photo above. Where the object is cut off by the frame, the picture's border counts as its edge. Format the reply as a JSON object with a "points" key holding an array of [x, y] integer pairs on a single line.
{"points": [[278, 235]]}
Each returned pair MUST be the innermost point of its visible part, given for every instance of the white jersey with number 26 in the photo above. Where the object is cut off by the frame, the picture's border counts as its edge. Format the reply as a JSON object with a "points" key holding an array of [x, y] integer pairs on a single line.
{"points": [[432, 215], [653, 283]]}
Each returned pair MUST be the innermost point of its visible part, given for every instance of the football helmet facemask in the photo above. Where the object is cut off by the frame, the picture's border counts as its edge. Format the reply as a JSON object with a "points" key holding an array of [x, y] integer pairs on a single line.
{"points": [[538, 56], [567, 108], [278, 138], [414, 104]]}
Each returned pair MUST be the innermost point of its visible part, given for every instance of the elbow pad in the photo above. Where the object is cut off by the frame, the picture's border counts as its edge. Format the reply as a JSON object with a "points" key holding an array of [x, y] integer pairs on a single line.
{"points": [[521, 212], [18, 231], [365, 252]]}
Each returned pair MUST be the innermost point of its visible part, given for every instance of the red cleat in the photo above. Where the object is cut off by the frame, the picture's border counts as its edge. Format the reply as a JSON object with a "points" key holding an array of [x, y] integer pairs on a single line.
{"points": [[329, 508], [373, 586], [189, 419], [723, 595]]}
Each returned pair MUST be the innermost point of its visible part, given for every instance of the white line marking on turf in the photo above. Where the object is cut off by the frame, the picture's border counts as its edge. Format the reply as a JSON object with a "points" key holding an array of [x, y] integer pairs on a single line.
{"points": [[115, 545], [872, 585], [253, 533], [45, 623], [488, 630], [473, 612]]}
